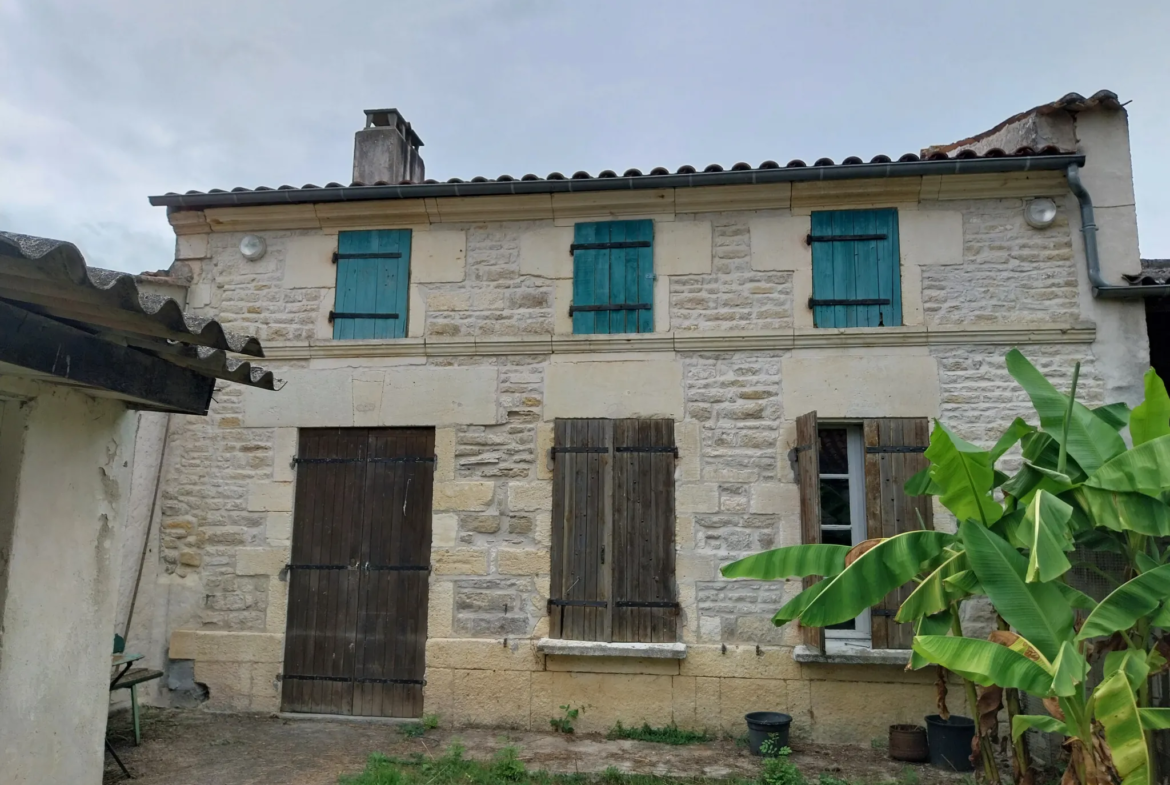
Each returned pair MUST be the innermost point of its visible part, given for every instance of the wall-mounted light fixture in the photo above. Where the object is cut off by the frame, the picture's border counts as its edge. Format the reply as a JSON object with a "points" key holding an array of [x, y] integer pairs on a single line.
{"points": [[253, 247], [1040, 213]]}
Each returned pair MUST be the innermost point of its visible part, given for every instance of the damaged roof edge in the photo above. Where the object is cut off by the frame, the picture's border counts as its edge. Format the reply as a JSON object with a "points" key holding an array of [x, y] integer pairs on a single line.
{"points": [[851, 171]]}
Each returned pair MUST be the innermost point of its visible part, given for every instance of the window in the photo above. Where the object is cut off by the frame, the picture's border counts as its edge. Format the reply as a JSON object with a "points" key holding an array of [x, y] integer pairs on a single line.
{"points": [[373, 284], [613, 531], [613, 277], [856, 268], [851, 476]]}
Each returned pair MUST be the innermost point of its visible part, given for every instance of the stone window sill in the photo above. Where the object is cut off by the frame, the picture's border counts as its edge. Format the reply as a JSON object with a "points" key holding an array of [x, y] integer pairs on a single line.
{"points": [[854, 656], [567, 648]]}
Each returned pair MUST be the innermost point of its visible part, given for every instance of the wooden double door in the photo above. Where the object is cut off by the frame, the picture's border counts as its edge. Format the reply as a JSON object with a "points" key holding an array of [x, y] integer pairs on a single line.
{"points": [[357, 599]]}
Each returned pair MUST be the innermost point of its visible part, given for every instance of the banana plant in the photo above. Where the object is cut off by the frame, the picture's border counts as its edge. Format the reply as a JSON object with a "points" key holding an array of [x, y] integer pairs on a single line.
{"points": [[1076, 485]]}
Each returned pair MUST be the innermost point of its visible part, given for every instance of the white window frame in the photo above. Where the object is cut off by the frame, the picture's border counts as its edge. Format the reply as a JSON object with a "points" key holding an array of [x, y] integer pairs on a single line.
{"points": [[860, 637]]}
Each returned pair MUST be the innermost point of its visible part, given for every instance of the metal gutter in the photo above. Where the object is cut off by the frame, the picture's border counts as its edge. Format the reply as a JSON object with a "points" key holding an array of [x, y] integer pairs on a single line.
{"points": [[793, 174], [1102, 288]]}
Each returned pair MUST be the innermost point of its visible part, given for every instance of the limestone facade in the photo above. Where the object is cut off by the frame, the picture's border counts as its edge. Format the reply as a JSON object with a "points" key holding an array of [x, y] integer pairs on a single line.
{"points": [[490, 361]]}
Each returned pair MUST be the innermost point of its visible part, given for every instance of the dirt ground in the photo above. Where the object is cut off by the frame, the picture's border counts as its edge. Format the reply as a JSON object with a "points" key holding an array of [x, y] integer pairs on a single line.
{"points": [[200, 748]]}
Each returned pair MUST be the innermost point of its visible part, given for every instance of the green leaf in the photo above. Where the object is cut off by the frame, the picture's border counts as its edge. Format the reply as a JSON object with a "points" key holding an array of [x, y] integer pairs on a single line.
{"points": [[1155, 719], [1144, 469], [1091, 440], [1069, 670], [877, 572], [1127, 603], [1126, 511], [793, 561], [1038, 611], [965, 476], [1045, 529], [1116, 414], [794, 607], [1022, 722], [984, 662], [1145, 562], [1016, 431], [1161, 619], [1151, 418], [933, 595], [1075, 598], [1129, 662], [921, 485], [965, 582], [1116, 709], [937, 624]]}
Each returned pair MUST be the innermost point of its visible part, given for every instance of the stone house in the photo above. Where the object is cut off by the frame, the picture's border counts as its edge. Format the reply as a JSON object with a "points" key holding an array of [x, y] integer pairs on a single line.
{"points": [[82, 350], [525, 420]]}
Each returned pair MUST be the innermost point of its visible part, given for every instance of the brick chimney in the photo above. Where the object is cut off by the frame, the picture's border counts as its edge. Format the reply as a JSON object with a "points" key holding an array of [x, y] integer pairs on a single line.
{"points": [[386, 150]]}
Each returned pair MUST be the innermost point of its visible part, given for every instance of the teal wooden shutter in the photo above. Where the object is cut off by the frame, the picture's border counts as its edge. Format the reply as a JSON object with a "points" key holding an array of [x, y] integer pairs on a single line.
{"points": [[373, 280], [855, 258], [613, 266]]}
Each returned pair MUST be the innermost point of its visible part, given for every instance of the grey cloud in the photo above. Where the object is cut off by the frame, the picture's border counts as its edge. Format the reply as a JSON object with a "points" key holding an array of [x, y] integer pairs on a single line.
{"points": [[103, 104]]}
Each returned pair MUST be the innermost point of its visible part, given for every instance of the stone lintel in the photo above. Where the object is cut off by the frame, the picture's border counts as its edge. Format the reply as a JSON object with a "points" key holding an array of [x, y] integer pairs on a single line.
{"points": [[568, 648]]}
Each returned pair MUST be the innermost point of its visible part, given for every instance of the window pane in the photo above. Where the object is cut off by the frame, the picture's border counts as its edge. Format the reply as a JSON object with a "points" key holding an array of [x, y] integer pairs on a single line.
{"points": [[845, 625], [837, 537], [834, 451], [835, 503]]}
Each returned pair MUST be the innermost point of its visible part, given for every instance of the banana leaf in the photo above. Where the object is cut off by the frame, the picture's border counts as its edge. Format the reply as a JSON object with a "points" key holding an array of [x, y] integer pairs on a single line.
{"points": [[984, 662], [965, 476], [964, 582], [1016, 431], [1130, 663], [921, 485], [1116, 414], [937, 624], [1038, 611], [1122, 512], [1127, 603], [1116, 709], [1022, 722], [793, 561], [1155, 719], [1076, 599], [1021, 645], [1042, 449], [1145, 562], [1045, 530], [1069, 670], [793, 608], [1151, 418], [873, 575], [1144, 469], [933, 595], [1091, 440], [1161, 619]]}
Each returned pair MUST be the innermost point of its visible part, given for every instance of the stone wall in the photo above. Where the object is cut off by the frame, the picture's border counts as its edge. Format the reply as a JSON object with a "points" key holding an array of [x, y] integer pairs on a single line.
{"points": [[490, 362]]}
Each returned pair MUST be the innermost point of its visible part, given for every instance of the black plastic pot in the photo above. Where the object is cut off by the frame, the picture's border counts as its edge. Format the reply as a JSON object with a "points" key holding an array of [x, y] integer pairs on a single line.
{"points": [[765, 725], [950, 742]]}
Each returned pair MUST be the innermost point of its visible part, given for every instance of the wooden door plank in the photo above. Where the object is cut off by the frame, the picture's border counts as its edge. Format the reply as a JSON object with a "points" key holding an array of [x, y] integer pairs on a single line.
{"points": [[557, 545], [808, 467]]}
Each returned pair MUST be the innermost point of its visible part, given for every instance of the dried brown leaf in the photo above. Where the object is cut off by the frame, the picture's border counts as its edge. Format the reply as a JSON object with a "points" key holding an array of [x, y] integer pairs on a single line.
{"points": [[859, 550]]}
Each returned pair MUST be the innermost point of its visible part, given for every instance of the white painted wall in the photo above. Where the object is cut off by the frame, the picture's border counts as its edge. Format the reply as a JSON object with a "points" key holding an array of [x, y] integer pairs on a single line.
{"points": [[70, 499]]}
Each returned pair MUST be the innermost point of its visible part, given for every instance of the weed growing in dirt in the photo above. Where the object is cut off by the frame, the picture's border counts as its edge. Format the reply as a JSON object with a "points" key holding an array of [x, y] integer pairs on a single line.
{"points": [[564, 723], [669, 734], [828, 779], [779, 770], [506, 768], [412, 730], [430, 721]]}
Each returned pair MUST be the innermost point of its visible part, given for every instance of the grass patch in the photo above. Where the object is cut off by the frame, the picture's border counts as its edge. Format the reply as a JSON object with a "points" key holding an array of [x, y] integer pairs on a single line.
{"points": [[669, 734], [506, 768]]}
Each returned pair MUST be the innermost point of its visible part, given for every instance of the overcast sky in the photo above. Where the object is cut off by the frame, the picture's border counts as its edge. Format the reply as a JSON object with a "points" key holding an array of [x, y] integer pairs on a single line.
{"points": [[105, 103]]}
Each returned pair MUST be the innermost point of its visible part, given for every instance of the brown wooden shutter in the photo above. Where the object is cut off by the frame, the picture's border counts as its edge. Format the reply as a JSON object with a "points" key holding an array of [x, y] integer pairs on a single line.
{"points": [[613, 531], [579, 606], [893, 454], [808, 478], [643, 590]]}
